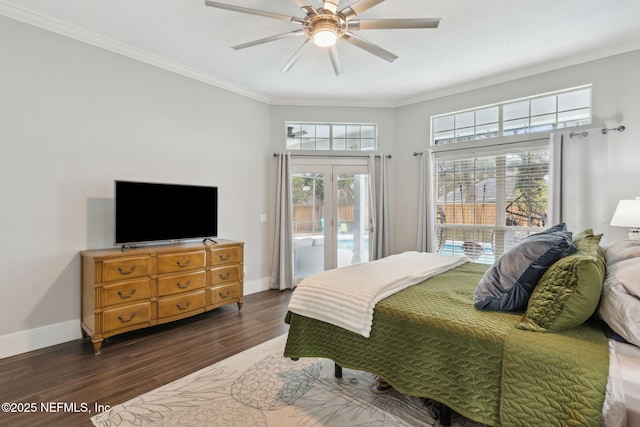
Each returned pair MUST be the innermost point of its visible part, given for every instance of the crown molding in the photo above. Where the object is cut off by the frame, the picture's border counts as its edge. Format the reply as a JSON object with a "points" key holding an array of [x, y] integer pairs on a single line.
{"points": [[332, 103], [88, 37]]}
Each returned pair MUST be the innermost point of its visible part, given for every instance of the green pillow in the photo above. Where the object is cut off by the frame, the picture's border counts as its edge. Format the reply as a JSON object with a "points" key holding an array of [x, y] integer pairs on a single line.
{"points": [[569, 291], [581, 235]]}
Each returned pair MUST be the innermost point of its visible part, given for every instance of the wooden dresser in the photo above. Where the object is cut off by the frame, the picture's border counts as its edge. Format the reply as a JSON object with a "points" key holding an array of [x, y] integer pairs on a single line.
{"points": [[150, 285]]}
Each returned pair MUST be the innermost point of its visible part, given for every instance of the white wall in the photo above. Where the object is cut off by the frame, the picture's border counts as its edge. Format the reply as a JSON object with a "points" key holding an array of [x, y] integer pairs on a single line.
{"points": [[74, 118], [616, 91]]}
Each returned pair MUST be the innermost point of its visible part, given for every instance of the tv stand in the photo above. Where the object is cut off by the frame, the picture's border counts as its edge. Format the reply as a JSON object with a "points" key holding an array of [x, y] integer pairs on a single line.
{"points": [[209, 239], [151, 285]]}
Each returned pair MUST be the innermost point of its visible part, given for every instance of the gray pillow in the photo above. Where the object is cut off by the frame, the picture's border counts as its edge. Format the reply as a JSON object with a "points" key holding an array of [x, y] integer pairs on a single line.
{"points": [[508, 284], [620, 303]]}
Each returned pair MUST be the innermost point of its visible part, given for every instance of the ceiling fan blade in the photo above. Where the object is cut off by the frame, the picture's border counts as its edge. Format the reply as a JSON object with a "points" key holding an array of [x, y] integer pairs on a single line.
{"points": [[331, 5], [253, 11], [335, 60], [306, 45], [304, 5], [369, 47], [392, 24], [358, 7], [269, 39]]}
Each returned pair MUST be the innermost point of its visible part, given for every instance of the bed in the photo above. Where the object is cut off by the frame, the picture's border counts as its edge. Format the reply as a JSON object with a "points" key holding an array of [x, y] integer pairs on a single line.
{"points": [[428, 340]]}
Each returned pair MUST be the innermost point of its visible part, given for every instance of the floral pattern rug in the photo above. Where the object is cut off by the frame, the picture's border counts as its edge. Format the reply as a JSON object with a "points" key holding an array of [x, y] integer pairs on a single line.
{"points": [[259, 387]]}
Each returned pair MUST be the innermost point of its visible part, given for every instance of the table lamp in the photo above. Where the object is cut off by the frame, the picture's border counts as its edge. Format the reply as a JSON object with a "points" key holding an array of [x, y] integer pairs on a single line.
{"points": [[627, 214]]}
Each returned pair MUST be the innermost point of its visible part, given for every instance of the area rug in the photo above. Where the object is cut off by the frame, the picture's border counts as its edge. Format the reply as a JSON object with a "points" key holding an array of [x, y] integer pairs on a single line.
{"points": [[260, 387]]}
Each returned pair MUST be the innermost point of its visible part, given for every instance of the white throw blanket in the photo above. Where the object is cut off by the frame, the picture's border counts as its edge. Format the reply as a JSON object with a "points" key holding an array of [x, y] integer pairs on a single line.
{"points": [[346, 296]]}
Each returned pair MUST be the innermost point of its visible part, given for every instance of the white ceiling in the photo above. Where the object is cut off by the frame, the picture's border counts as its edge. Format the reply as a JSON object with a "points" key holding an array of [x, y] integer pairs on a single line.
{"points": [[478, 42]]}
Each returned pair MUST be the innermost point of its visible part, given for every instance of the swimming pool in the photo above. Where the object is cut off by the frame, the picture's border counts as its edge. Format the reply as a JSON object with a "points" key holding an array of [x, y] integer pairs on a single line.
{"points": [[484, 252], [345, 241]]}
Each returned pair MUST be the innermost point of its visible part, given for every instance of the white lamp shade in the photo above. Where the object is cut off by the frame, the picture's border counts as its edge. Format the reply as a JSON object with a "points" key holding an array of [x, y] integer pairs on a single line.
{"points": [[627, 214]]}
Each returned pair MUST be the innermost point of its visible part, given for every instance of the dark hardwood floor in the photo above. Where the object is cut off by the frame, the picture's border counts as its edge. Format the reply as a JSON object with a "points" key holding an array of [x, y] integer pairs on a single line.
{"points": [[133, 363]]}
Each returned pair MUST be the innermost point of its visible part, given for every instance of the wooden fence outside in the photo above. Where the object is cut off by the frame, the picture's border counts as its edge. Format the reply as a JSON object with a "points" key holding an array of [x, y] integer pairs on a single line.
{"points": [[485, 214], [304, 220]]}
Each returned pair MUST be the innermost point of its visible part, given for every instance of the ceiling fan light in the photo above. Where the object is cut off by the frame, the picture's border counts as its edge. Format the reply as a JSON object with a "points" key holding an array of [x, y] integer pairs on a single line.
{"points": [[324, 33], [325, 37]]}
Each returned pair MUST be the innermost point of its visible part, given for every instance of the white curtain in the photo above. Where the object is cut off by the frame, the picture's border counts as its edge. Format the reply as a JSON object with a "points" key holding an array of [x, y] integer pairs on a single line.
{"points": [[425, 196], [579, 180], [282, 263], [379, 200]]}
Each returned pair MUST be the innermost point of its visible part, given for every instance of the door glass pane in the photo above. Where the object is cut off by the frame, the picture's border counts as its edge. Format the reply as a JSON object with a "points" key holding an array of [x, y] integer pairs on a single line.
{"points": [[307, 191], [352, 219]]}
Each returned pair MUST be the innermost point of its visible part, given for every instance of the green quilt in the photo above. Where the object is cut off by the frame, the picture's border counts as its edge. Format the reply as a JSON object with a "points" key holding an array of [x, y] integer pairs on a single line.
{"points": [[430, 341]]}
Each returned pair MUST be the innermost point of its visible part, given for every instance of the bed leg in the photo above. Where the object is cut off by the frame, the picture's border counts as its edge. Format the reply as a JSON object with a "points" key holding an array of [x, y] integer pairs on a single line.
{"points": [[337, 370], [445, 415]]}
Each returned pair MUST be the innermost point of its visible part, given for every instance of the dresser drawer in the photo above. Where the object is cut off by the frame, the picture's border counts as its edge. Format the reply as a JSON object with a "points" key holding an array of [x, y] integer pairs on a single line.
{"points": [[169, 285], [181, 303], [225, 256], [126, 317], [232, 273], [125, 268], [171, 263], [222, 294], [126, 292]]}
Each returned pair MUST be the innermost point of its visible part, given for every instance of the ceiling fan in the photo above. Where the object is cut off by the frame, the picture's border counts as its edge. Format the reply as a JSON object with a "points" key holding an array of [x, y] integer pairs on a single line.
{"points": [[324, 26], [292, 134]]}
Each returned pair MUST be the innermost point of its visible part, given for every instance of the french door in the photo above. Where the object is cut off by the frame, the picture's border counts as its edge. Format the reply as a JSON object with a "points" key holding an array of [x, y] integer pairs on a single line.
{"points": [[331, 214]]}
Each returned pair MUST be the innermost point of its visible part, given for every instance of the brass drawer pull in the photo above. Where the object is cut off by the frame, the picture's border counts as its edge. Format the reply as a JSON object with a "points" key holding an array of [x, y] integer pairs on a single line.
{"points": [[224, 276], [225, 257], [224, 296], [183, 307], [123, 320], [133, 291], [123, 271], [184, 264], [185, 286]]}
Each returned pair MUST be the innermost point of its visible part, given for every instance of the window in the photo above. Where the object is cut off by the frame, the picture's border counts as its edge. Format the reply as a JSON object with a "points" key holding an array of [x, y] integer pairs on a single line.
{"points": [[490, 194], [331, 136], [486, 204], [541, 113]]}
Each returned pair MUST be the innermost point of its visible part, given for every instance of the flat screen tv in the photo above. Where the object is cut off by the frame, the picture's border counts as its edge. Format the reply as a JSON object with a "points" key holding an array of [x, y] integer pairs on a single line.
{"points": [[151, 212]]}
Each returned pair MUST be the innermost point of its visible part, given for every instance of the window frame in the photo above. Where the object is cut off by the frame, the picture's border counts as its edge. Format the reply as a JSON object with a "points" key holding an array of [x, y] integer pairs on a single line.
{"points": [[500, 132], [469, 153], [499, 143], [332, 138]]}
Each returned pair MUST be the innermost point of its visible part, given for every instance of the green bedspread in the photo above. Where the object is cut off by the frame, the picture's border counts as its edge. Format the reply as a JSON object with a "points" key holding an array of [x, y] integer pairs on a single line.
{"points": [[430, 341]]}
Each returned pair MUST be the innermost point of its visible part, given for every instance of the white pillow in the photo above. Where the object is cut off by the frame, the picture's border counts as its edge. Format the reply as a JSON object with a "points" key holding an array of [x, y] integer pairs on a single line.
{"points": [[620, 303]]}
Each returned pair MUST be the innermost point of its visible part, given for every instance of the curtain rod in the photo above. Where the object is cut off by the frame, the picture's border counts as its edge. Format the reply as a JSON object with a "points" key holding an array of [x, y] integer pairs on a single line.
{"points": [[453, 147], [388, 156], [571, 135], [604, 131]]}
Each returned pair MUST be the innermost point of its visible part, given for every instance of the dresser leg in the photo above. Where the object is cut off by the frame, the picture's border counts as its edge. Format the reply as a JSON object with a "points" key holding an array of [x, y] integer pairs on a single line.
{"points": [[240, 305], [97, 345]]}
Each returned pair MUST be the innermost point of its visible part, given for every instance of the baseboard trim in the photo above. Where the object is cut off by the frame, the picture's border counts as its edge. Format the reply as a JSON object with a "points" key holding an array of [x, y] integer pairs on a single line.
{"points": [[58, 333], [37, 338], [256, 285]]}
